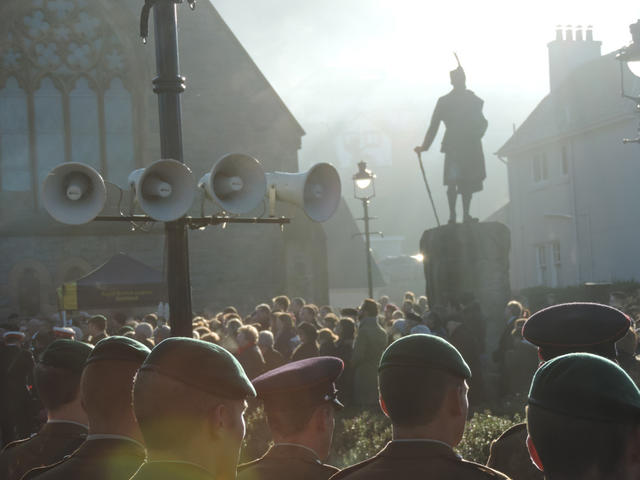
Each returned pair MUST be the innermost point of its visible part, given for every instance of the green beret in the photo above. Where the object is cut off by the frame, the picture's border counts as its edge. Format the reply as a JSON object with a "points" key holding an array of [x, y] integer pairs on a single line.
{"points": [[425, 351], [585, 386], [67, 354], [119, 348], [201, 365]]}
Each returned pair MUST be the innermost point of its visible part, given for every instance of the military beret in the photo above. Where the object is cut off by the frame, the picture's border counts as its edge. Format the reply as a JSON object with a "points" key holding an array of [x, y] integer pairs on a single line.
{"points": [[200, 365], [126, 329], [425, 351], [304, 383], [576, 327], [13, 335], [118, 348], [96, 317], [67, 354], [585, 386]]}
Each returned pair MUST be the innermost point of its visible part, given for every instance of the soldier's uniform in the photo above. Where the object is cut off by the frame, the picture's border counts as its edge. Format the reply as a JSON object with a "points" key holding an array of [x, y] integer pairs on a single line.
{"points": [[297, 386], [557, 330], [419, 458], [102, 456], [57, 438]]}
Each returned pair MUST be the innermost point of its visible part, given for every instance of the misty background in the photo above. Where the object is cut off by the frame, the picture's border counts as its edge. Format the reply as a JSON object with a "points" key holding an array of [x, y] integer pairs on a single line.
{"points": [[363, 76]]}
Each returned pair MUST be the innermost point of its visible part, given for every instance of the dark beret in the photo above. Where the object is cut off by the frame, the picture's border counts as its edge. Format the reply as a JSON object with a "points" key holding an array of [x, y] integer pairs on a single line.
{"points": [[201, 365], [118, 348], [126, 329], [305, 383], [97, 317], [585, 386], [414, 317], [576, 327], [424, 351], [67, 354]]}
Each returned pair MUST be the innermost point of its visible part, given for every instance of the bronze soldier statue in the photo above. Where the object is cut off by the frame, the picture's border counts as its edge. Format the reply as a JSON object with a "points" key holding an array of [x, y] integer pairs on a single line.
{"points": [[461, 112]]}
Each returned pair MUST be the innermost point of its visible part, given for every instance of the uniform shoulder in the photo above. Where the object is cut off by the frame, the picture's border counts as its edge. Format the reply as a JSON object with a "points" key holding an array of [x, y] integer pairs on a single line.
{"points": [[483, 471], [246, 465], [512, 431], [344, 473]]}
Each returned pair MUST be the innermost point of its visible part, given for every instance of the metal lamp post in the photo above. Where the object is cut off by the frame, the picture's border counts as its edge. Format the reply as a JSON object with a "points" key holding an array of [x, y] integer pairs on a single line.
{"points": [[630, 55], [364, 190]]}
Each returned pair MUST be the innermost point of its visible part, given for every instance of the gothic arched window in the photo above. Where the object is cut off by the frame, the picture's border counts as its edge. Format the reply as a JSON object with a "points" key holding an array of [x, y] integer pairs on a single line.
{"points": [[65, 93]]}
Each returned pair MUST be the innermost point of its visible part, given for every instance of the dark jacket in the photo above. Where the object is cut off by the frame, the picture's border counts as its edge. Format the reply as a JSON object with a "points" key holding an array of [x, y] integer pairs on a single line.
{"points": [[283, 342], [50, 445], [272, 358], [171, 471], [509, 454], [96, 459], [286, 462], [251, 360], [305, 350], [417, 460], [370, 343]]}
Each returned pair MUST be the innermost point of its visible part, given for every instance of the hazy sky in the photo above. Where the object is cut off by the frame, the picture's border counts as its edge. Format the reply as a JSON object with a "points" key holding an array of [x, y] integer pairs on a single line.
{"points": [[328, 59]]}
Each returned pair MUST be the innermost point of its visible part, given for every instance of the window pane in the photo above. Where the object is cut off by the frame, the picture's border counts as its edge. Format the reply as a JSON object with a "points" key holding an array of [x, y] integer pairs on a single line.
{"points": [[14, 139], [85, 137], [49, 128], [119, 130]]}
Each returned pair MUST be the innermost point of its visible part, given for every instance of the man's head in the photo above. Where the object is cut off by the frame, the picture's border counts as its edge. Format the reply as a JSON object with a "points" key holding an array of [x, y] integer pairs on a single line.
{"points": [[576, 327], [262, 315], [265, 340], [57, 379], [97, 324], [309, 313], [247, 336], [513, 309], [189, 398], [422, 382], [307, 333], [296, 304], [281, 303], [368, 309], [300, 399], [583, 419], [106, 385]]}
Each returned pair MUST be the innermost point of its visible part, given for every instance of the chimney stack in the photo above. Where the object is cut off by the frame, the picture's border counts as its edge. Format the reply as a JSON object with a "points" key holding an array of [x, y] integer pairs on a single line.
{"points": [[566, 54]]}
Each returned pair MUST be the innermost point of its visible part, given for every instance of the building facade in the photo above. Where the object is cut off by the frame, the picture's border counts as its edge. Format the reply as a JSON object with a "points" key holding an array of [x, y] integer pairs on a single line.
{"points": [[75, 85], [572, 182]]}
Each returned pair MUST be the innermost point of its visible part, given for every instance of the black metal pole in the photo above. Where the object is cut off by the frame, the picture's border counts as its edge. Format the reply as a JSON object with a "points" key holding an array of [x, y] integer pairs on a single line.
{"points": [[365, 205], [169, 84]]}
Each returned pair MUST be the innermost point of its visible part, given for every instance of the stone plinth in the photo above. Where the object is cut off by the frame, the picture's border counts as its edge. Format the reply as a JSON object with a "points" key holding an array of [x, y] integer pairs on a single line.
{"points": [[471, 258]]}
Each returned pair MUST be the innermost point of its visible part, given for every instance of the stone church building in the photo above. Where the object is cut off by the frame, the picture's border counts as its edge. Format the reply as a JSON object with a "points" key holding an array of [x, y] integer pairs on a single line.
{"points": [[75, 85]]}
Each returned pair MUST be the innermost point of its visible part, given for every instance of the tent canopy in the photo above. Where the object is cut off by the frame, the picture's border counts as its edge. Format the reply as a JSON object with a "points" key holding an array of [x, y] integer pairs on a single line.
{"points": [[119, 283]]}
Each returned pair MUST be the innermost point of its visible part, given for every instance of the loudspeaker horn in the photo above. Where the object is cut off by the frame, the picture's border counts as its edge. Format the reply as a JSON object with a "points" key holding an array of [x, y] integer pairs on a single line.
{"points": [[236, 182], [73, 193], [317, 191], [164, 190]]}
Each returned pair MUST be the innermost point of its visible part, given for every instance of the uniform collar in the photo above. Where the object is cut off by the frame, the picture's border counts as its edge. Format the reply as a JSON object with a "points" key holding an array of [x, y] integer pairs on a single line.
{"points": [[159, 469], [286, 449], [418, 448], [66, 422], [111, 436]]}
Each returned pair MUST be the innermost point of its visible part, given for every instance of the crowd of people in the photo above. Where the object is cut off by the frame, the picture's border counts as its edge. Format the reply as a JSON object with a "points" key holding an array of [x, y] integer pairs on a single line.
{"points": [[120, 398]]}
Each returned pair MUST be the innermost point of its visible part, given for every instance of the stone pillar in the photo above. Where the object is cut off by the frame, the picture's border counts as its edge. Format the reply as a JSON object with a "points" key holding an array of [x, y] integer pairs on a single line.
{"points": [[469, 258]]}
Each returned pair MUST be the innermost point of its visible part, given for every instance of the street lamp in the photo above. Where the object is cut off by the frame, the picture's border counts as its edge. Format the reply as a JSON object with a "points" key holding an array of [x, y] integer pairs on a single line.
{"points": [[631, 56], [364, 190]]}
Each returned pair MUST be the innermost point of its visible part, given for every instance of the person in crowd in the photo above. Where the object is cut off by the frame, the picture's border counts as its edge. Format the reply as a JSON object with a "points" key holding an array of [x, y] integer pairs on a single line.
{"points": [[285, 335], [462, 337], [323, 312], [521, 361], [407, 307], [383, 301], [280, 304], [330, 321], [414, 324], [423, 391], [327, 342], [367, 349], [388, 310], [512, 312], [229, 340], [191, 418], [262, 315], [308, 347], [435, 322], [583, 420], [97, 327], [423, 302], [161, 333], [57, 381], [249, 354], [300, 400], [16, 367], [309, 314], [272, 357], [397, 315], [398, 329], [113, 449], [296, 305], [211, 337], [151, 318], [144, 334], [474, 319], [349, 312], [557, 330]]}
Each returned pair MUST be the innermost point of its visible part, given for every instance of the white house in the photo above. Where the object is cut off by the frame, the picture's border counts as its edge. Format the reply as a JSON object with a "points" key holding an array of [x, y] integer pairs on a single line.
{"points": [[573, 184]]}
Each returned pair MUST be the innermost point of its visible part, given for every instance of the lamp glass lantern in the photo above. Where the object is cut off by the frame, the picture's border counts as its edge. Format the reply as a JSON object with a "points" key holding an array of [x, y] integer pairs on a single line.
{"points": [[363, 182], [631, 54]]}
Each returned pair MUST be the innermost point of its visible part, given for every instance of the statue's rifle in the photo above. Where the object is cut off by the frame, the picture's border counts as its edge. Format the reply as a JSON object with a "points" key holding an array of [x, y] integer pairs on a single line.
{"points": [[426, 183]]}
